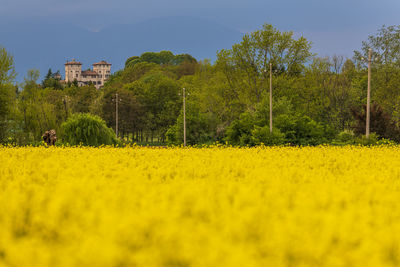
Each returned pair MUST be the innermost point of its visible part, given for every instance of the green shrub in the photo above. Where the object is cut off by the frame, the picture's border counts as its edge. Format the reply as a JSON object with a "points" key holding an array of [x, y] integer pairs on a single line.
{"points": [[372, 140], [345, 137], [87, 130], [239, 132], [262, 135], [197, 128], [301, 130]]}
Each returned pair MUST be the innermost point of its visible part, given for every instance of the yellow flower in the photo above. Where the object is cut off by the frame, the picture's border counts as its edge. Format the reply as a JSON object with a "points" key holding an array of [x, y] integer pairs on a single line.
{"points": [[218, 206]]}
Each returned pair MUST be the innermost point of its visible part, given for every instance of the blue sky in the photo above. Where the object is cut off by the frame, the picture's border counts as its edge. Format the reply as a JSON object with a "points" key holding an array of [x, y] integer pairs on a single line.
{"points": [[333, 26]]}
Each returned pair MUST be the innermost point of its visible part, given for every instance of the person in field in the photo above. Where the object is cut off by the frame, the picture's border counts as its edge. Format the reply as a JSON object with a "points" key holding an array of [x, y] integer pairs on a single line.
{"points": [[49, 137]]}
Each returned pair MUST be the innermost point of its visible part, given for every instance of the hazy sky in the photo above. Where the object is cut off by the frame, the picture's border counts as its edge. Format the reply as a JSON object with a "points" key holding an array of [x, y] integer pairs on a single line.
{"points": [[334, 26]]}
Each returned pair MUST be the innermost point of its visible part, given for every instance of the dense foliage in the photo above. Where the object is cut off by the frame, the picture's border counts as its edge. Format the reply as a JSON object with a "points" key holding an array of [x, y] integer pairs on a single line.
{"points": [[88, 130], [315, 100]]}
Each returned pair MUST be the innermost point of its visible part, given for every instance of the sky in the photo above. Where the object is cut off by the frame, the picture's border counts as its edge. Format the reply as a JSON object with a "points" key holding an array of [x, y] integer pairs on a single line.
{"points": [[338, 25], [333, 26], [299, 14]]}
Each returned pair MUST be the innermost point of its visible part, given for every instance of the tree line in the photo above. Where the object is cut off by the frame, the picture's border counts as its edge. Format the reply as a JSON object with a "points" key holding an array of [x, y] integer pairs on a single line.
{"points": [[316, 100]]}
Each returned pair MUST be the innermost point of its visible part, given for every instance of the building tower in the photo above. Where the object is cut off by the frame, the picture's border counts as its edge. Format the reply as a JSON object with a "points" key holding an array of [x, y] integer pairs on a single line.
{"points": [[103, 70], [73, 70]]}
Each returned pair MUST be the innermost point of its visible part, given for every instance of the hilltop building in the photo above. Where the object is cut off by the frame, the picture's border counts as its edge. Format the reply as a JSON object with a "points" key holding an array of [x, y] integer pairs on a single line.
{"points": [[100, 73]]}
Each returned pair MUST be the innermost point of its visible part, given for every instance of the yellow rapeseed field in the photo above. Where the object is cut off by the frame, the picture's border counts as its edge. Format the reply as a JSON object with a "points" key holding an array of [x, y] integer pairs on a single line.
{"points": [[282, 206]]}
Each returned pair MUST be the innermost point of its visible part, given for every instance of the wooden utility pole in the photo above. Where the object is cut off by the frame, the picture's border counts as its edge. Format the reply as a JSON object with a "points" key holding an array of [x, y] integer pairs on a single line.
{"points": [[116, 114], [270, 97], [184, 116], [368, 94]]}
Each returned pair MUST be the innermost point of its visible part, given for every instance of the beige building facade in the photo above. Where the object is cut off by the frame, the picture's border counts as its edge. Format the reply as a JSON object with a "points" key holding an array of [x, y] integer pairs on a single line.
{"points": [[98, 75]]}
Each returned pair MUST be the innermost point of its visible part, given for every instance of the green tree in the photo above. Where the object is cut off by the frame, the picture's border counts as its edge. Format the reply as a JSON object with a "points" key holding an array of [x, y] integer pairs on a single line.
{"points": [[33, 123], [7, 71], [130, 118], [81, 98], [385, 68], [88, 130], [131, 61], [385, 45], [179, 59], [252, 127], [7, 100], [7, 93], [51, 82], [240, 131], [381, 122], [39, 109], [246, 65], [165, 57], [198, 127], [326, 92], [158, 95], [160, 58]]}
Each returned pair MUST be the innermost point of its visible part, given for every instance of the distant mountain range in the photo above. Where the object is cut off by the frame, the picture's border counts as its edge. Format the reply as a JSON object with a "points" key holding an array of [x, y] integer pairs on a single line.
{"points": [[44, 44]]}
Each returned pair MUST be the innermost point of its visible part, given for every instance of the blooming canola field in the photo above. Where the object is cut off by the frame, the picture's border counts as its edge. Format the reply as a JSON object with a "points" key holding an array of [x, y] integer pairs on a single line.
{"points": [[278, 206]]}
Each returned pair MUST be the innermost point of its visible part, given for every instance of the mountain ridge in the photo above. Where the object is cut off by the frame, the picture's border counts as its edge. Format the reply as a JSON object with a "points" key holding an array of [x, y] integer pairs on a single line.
{"points": [[43, 45]]}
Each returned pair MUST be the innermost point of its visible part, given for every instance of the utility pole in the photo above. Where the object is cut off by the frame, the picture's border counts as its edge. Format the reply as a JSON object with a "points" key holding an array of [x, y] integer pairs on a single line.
{"points": [[117, 100], [116, 114], [368, 94], [270, 97], [184, 116]]}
